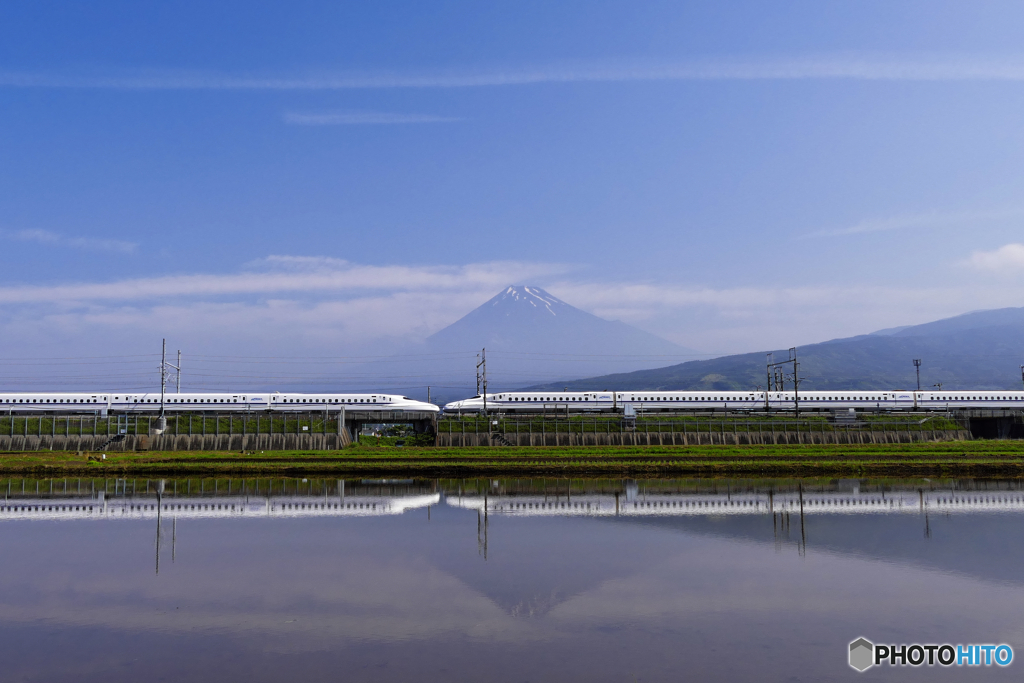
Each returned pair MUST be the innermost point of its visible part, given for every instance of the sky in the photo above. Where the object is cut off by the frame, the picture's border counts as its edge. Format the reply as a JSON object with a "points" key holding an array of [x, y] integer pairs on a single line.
{"points": [[324, 179]]}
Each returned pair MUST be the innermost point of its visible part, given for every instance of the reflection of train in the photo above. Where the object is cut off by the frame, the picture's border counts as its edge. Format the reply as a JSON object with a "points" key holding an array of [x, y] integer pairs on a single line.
{"points": [[628, 503], [120, 402], [185, 507], [749, 401], [691, 504]]}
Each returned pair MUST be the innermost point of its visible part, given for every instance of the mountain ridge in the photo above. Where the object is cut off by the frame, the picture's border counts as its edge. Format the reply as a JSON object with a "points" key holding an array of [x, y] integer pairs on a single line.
{"points": [[979, 350]]}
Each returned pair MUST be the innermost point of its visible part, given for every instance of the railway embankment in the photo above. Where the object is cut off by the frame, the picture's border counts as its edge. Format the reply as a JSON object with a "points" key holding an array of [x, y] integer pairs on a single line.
{"points": [[918, 459]]}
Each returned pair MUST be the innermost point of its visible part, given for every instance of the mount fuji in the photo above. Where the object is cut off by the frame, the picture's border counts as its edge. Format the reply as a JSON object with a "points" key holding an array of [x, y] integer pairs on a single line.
{"points": [[530, 334], [530, 320]]}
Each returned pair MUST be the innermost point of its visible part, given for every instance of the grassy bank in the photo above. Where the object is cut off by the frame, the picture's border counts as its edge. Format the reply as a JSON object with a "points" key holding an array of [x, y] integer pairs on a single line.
{"points": [[970, 458]]}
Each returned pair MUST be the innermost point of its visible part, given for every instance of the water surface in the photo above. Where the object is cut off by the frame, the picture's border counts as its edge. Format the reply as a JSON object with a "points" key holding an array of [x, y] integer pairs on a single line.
{"points": [[501, 580]]}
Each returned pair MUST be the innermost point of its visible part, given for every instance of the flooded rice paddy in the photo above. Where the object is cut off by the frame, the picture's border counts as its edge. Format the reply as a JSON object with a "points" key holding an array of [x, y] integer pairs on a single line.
{"points": [[502, 579]]}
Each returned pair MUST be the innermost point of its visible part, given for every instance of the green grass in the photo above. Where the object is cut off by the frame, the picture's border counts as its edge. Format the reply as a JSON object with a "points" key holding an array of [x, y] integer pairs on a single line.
{"points": [[965, 458]]}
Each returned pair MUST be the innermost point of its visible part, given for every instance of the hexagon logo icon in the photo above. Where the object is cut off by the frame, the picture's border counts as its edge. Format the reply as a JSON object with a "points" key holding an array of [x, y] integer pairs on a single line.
{"points": [[862, 654]]}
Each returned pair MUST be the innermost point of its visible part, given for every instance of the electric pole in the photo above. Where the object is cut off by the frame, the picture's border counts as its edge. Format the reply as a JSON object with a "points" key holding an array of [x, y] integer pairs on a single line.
{"points": [[917, 366], [481, 376], [162, 423], [796, 383], [779, 379], [163, 375]]}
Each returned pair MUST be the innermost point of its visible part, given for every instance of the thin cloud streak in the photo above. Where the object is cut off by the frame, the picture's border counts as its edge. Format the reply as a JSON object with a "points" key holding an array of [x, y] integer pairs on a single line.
{"points": [[928, 220], [363, 118], [57, 240], [303, 275], [828, 67]]}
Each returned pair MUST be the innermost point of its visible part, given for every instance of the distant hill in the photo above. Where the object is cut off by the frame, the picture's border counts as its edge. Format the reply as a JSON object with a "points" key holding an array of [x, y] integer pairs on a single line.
{"points": [[980, 350]]}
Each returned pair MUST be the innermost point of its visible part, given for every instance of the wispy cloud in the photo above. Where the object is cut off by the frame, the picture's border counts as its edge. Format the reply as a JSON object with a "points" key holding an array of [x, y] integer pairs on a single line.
{"points": [[363, 118], [818, 67], [280, 275], [319, 303], [57, 240], [922, 221], [1009, 257]]}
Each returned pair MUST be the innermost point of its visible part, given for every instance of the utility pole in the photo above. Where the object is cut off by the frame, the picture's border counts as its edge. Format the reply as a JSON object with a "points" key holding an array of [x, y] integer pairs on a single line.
{"points": [[1022, 373], [481, 376], [779, 379], [428, 394], [796, 383], [162, 423], [917, 366]]}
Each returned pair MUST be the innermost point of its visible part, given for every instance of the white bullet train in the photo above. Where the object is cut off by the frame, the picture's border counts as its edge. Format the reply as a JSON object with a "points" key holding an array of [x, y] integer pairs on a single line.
{"points": [[121, 402], [737, 401]]}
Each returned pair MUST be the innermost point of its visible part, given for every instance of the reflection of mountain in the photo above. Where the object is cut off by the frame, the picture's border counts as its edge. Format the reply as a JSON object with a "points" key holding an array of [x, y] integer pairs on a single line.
{"points": [[973, 532], [533, 569], [536, 564], [989, 547], [544, 547]]}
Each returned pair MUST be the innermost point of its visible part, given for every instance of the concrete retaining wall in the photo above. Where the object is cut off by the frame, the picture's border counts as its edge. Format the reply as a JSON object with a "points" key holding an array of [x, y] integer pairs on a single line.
{"points": [[184, 442]]}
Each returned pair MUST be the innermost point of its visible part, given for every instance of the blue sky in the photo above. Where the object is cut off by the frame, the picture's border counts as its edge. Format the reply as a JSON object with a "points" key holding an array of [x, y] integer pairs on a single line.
{"points": [[293, 178]]}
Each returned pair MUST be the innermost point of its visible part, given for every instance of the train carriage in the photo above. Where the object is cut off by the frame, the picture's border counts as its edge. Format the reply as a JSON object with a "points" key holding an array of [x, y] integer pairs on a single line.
{"points": [[737, 401], [149, 403]]}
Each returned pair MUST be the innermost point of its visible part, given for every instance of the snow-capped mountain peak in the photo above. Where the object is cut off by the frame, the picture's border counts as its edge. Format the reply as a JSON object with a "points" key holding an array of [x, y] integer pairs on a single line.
{"points": [[529, 296]]}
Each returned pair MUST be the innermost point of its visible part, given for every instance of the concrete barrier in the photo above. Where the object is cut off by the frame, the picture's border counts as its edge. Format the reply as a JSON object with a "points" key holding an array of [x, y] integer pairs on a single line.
{"points": [[180, 442]]}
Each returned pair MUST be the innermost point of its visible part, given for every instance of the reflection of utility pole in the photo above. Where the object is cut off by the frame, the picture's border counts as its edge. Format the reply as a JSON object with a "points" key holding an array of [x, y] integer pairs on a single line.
{"points": [[158, 506], [481, 531], [803, 532], [917, 366]]}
